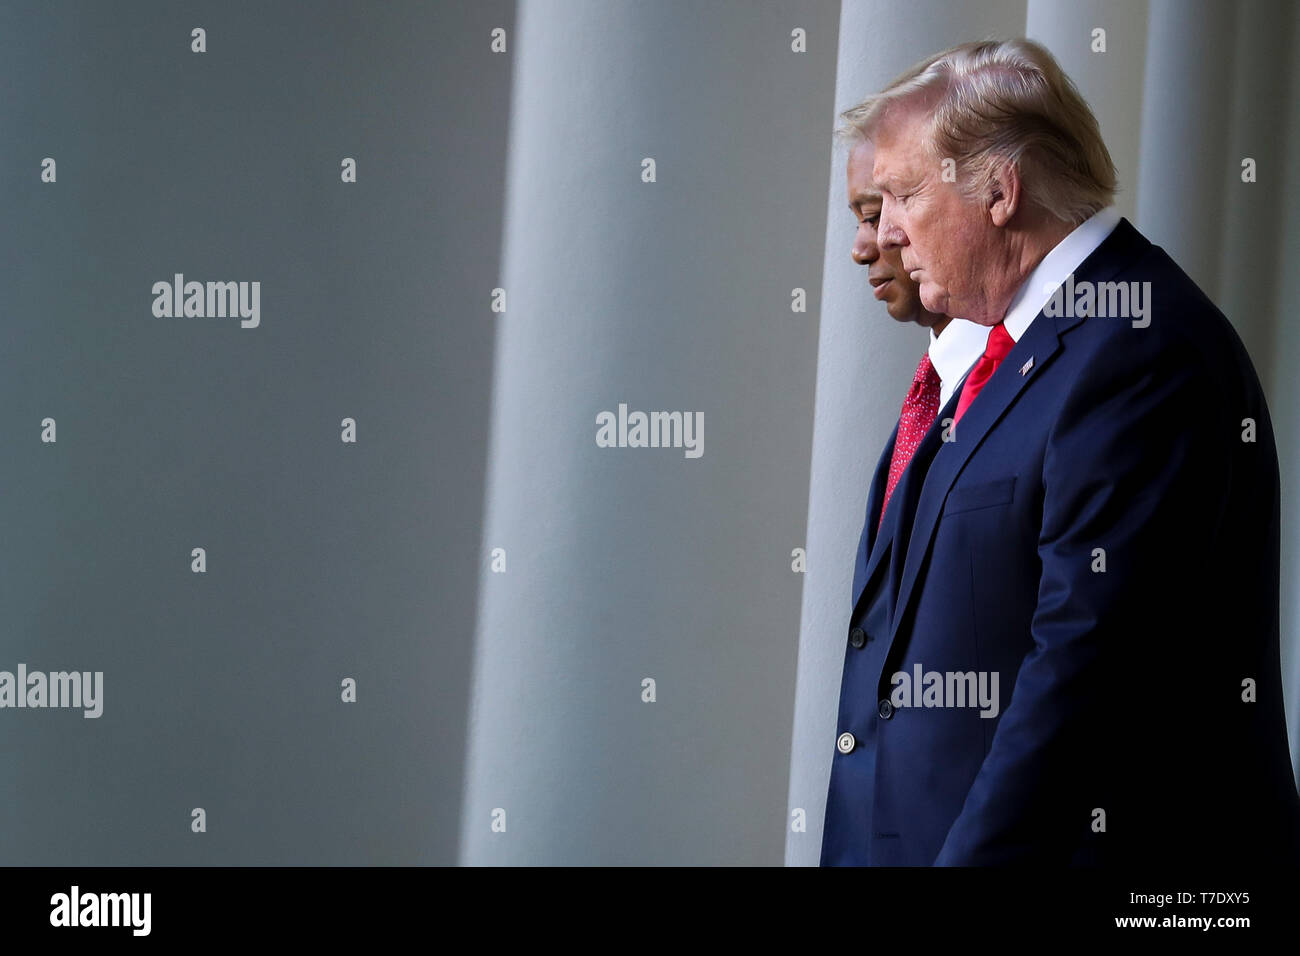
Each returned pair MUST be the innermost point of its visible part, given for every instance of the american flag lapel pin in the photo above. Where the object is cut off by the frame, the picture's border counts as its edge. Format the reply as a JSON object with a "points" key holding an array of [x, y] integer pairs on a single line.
{"points": [[1024, 369]]}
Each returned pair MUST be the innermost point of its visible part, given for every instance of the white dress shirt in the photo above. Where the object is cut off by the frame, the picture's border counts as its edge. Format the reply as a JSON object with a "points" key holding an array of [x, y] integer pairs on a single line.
{"points": [[1066, 256], [954, 352]]}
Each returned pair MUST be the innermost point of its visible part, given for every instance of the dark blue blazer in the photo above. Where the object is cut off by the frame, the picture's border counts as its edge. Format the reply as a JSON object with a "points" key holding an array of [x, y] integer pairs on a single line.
{"points": [[1102, 532], [876, 578]]}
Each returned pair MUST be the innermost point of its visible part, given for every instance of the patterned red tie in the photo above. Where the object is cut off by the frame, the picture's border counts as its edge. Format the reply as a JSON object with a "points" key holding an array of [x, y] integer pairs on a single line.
{"points": [[999, 344], [919, 411]]}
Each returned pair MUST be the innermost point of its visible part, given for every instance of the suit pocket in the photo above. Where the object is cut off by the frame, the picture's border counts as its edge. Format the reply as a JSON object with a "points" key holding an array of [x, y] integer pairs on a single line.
{"points": [[985, 495]]}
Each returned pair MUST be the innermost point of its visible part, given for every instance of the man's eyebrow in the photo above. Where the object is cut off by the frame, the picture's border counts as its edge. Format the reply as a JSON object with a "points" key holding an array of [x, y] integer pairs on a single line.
{"points": [[889, 182], [884, 180]]}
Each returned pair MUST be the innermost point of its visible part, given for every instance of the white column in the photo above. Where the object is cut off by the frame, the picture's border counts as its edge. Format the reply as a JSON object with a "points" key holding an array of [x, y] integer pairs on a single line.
{"points": [[1111, 81], [1184, 101], [1254, 213], [633, 563]]}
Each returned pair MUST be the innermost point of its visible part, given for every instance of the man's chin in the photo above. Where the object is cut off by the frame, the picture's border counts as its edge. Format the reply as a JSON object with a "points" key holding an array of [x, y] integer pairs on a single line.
{"points": [[932, 298], [905, 309], [902, 308]]}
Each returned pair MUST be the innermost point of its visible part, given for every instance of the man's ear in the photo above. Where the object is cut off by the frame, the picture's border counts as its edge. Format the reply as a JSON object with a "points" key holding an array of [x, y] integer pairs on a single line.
{"points": [[1004, 194]]}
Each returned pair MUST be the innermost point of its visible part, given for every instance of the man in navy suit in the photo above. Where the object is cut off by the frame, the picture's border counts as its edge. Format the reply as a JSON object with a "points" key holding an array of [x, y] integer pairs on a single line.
{"points": [[955, 344], [1071, 653]]}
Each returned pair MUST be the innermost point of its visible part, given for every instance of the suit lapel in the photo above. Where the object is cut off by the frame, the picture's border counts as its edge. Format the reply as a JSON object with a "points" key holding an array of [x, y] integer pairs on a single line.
{"points": [[895, 517], [875, 539], [1041, 342], [879, 478]]}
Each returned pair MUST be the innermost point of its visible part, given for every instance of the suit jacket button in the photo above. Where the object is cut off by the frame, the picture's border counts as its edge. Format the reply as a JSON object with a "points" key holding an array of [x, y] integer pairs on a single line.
{"points": [[886, 709], [857, 637], [845, 743]]}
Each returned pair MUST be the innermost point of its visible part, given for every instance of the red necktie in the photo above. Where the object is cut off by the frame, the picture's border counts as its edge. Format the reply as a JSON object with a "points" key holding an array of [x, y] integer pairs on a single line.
{"points": [[999, 344], [919, 411]]}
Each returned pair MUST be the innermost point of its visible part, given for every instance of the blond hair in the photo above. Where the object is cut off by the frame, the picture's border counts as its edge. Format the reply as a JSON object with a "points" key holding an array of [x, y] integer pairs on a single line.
{"points": [[996, 102]]}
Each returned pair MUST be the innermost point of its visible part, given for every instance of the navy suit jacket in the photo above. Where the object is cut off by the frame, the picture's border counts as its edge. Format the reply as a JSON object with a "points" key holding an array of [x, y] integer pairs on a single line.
{"points": [[876, 578], [1102, 533]]}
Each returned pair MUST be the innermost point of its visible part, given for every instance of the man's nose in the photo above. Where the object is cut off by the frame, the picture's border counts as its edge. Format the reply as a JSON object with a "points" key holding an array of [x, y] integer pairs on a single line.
{"points": [[865, 248], [889, 234]]}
